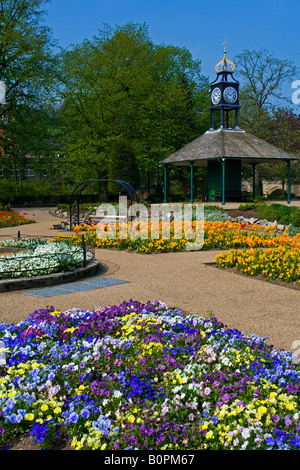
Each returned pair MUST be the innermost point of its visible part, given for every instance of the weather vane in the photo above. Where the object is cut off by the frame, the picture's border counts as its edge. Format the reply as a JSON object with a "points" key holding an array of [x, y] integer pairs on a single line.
{"points": [[225, 64]]}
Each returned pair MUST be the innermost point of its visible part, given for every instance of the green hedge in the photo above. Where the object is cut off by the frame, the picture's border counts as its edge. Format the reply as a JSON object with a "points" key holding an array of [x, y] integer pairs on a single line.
{"points": [[37, 192]]}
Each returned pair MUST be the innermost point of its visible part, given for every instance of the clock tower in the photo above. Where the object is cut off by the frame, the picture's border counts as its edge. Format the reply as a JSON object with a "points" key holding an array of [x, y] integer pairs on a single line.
{"points": [[224, 93]]}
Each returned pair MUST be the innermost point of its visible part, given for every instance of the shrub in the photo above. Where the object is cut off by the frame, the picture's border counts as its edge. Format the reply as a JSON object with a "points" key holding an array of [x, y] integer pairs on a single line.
{"points": [[247, 207], [282, 214], [295, 218]]}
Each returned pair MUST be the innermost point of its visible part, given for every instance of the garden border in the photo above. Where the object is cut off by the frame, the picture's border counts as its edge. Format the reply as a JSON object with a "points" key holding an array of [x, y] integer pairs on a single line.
{"points": [[47, 280], [257, 277]]}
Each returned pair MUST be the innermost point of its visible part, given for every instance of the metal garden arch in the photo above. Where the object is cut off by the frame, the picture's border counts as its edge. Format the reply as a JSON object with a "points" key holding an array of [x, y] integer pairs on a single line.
{"points": [[77, 191]]}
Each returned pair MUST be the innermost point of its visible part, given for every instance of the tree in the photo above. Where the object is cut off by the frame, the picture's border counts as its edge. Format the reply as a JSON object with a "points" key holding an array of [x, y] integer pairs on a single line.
{"points": [[122, 166], [284, 132], [120, 84], [262, 77], [98, 106], [26, 67]]}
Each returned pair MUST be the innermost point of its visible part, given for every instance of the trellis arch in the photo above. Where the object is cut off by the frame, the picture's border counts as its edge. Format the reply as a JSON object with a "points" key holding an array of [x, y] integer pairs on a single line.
{"points": [[77, 191]]}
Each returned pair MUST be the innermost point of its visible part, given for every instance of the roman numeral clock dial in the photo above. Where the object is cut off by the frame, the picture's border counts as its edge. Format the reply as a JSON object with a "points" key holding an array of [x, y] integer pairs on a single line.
{"points": [[216, 96], [230, 95]]}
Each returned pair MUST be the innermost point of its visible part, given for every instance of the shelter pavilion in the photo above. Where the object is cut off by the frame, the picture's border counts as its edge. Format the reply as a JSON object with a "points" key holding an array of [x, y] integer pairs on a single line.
{"points": [[223, 150]]}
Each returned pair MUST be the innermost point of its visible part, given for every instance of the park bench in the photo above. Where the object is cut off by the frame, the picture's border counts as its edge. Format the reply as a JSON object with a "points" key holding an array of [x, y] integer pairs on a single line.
{"points": [[105, 219]]}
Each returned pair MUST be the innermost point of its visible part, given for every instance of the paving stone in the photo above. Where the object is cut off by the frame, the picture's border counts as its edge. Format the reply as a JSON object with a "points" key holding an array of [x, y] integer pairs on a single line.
{"points": [[74, 287]]}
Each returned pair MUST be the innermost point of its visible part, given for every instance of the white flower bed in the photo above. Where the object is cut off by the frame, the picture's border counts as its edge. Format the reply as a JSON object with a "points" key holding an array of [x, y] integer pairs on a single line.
{"points": [[41, 257]]}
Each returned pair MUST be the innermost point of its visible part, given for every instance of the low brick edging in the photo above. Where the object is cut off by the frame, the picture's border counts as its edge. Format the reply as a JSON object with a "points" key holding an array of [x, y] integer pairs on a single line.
{"points": [[47, 280]]}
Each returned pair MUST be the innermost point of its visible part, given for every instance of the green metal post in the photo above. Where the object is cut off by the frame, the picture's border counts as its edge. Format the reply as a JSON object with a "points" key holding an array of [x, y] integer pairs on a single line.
{"points": [[192, 182], [84, 250], [165, 183], [253, 180], [289, 182], [223, 181]]}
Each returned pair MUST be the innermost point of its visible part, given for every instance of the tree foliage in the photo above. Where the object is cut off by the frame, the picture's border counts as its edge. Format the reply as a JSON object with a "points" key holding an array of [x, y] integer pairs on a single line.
{"points": [[120, 84], [263, 108], [119, 93], [283, 131], [26, 66], [123, 166], [262, 78]]}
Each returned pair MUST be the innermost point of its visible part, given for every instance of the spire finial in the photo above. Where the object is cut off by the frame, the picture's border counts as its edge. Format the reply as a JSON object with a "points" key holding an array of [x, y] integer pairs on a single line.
{"points": [[225, 64]]}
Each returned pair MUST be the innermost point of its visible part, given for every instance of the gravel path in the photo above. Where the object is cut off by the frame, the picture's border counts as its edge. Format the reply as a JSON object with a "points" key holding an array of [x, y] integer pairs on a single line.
{"points": [[182, 280]]}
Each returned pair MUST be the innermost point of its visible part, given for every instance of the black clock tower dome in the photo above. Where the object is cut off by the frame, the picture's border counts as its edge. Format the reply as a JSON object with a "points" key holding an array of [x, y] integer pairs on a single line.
{"points": [[224, 93]]}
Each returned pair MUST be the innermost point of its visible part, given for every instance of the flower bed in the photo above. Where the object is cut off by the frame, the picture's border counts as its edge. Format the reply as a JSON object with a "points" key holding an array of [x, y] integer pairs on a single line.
{"points": [[140, 376], [278, 259], [40, 257], [85, 225], [211, 213], [282, 262], [217, 234], [12, 219]]}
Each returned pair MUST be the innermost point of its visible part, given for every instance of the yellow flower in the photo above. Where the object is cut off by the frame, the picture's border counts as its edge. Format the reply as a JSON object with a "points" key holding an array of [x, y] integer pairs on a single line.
{"points": [[56, 312], [23, 366], [131, 419], [29, 417], [71, 330], [209, 435], [262, 410], [289, 406]]}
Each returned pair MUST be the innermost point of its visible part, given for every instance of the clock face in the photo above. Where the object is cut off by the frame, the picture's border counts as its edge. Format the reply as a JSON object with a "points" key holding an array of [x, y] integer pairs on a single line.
{"points": [[216, 96], [230, 95]]}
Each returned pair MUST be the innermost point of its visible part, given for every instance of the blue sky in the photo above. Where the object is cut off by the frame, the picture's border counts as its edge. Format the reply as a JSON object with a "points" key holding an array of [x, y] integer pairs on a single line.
{"points": [[200, 26]]}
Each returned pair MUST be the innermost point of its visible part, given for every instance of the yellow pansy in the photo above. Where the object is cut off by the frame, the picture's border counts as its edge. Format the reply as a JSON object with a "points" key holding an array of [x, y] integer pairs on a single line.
{"points": [[29, 417], [55, 313], [262, 410]]}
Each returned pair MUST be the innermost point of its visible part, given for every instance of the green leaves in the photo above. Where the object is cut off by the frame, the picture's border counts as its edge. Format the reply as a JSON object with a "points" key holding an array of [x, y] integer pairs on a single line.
{"points": [[121, 85], [27, 66], [25, 50], [123, 166]]}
